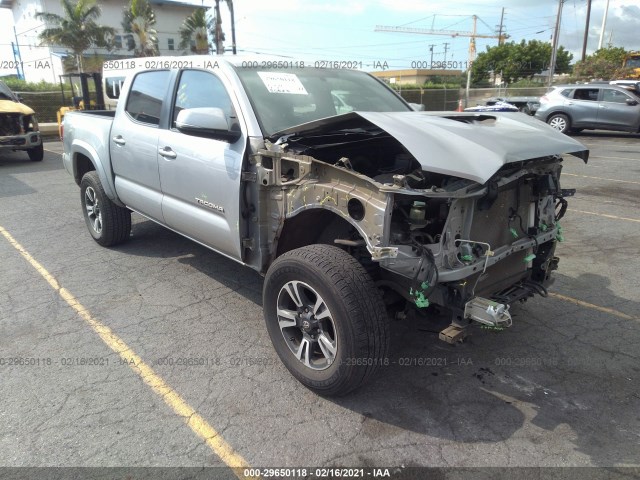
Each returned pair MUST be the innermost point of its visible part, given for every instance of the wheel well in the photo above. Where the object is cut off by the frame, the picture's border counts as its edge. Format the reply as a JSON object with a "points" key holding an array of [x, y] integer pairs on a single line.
{"points": [[560, 112], [311, 227], [83, 165]]}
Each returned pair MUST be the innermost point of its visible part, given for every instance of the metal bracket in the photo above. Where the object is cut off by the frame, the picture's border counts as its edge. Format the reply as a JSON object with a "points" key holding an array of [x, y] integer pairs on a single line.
{"points": [[488, 312], [248, 243]]}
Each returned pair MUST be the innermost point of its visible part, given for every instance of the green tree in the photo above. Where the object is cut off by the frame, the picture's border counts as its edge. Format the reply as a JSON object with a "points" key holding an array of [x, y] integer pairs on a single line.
{"points": [[605, 63], [195, 28], [77, 30], [518, 60], [139, 19]]}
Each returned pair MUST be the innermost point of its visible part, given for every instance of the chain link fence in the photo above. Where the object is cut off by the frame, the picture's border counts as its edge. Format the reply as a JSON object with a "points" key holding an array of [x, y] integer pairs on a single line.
{"points": [[46, 104]]}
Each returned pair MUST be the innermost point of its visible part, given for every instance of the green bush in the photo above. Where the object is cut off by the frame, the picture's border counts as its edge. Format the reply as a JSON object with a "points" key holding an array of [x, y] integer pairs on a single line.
{"points": [[23, 86]]}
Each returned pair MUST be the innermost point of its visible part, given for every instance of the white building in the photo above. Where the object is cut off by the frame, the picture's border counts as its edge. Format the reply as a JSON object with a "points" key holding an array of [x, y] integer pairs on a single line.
{"points": [[45, 63]]}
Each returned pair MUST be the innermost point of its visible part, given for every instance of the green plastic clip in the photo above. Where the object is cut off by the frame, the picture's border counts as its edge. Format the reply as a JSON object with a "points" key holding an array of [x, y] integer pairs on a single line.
{"points": [[513, 232], [528, 258], [467, 258], [544, 227], [418, 295]]}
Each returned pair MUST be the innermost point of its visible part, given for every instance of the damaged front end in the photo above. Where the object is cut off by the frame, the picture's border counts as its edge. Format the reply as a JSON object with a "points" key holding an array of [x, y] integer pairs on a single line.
{"points": [[457, 210]]}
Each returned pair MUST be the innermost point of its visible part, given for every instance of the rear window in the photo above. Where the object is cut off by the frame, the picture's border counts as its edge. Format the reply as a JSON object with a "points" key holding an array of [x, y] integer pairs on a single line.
{"points": [[145, 98], [566, 92]]}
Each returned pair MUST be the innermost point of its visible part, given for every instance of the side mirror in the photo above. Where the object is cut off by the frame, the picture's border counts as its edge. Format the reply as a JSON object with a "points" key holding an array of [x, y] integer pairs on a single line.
{"points": [[418, 107], [631, 102], [207, 122]]}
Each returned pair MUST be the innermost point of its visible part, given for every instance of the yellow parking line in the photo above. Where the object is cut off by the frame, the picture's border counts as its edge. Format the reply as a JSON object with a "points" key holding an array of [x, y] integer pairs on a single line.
{"points": [[600, 178], [605, 215], [582, 303], [180, 407]]}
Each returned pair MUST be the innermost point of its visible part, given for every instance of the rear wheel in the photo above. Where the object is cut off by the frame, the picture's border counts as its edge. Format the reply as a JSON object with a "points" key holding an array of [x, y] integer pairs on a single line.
{"points": [[326, 318], [36, 154], [108, 223], [560, 122]]}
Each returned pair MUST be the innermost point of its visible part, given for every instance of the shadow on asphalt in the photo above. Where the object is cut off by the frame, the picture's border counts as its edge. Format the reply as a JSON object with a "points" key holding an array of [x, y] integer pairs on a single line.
{"points": [[560, 366]]}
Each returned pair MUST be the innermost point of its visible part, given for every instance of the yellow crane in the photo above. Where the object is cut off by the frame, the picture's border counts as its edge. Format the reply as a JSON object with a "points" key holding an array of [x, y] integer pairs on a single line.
{"points": [[452, 33]]}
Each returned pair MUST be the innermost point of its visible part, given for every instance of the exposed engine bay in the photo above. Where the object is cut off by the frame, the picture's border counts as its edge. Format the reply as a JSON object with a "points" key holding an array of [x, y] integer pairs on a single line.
{"points": [[472, 234], [15, 124]]}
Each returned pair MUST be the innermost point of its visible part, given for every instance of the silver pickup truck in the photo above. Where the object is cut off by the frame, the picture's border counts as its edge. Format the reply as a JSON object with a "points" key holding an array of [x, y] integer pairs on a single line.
{"points": [[350, 210]]}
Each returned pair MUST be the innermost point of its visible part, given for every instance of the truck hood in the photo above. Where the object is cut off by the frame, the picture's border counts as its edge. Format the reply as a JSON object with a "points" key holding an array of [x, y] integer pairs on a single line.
{"points": [[466, 145], [7, 106]]}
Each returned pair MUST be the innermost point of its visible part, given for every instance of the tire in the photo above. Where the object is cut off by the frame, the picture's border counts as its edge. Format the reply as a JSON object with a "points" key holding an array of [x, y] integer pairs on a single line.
{"points": [[108, 223], [344, 337], [36, 154], [560, 122]]}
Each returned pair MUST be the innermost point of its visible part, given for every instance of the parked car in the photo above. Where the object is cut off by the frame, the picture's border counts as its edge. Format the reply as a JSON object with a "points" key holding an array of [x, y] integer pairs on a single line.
{"points": [[528, 105], [347, 214], [572, 108], [18, 125]]}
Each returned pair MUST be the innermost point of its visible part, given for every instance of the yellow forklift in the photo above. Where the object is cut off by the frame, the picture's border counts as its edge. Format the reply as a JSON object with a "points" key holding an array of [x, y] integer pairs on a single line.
{"points": [[80, 96]]}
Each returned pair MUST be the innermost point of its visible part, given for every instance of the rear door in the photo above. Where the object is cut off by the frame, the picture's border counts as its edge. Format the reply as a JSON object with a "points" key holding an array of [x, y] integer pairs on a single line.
{"points": [[200, 177], [583, 107], [133, 145], [614, 112]]}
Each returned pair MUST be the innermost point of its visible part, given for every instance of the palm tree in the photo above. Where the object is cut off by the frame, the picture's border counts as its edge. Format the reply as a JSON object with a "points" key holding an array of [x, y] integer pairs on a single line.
{"points": [[77, 30], [195, 27], [139, 19], [233, 26], [218, 34]]}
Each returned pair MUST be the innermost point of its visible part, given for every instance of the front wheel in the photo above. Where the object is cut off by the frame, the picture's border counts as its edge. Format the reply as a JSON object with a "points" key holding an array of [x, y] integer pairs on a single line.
{"points": [[108, 223], [560, 122], [36, 154], [326, 318]]}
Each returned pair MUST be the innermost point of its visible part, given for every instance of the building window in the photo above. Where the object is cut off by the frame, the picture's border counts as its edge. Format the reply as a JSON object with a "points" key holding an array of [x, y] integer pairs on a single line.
{"points": [[118, 41], [170, 45]]}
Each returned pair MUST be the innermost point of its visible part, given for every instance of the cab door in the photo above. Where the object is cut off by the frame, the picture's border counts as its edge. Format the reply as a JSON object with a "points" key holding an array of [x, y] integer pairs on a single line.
{"points": [[200, 177], [583, 108], [133, 145]]}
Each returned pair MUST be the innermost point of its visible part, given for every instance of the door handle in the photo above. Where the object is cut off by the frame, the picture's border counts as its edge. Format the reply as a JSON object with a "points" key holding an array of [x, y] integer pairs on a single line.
{"points": [[569, 103], [167, 152], [119, 140]]}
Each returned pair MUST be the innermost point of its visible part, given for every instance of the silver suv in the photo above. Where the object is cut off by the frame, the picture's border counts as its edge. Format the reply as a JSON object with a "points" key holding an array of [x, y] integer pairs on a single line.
{"points": [[572, 108]]}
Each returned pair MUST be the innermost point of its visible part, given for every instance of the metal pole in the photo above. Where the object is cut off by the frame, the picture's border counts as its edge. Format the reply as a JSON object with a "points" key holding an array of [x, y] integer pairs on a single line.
{"points": [[604, 23], [500, 39], [472, 57], [554, 46], [586, 31]]}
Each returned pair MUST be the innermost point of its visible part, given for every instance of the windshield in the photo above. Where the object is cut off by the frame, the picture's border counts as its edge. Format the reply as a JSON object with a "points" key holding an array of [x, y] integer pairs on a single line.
{"points": [[6, 93], [633, 62], [286, 98]]}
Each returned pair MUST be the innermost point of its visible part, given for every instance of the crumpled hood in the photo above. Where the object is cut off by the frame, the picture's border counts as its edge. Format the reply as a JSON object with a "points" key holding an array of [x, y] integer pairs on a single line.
{"points": [[467, 145], [7, 106]]}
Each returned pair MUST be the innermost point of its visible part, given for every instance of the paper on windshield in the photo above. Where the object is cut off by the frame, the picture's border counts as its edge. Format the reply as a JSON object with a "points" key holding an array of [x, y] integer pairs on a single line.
{"points": [[282, 83]]}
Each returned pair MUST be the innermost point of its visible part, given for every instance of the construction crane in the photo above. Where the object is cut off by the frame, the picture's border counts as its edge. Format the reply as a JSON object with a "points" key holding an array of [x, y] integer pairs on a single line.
{"points": [[451, 33]]}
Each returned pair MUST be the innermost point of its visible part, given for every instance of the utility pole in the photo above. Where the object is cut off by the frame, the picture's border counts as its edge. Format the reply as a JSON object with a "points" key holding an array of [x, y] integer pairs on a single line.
{"points": [[431, 50], [233, 26], [472, 57], [500, 39], [554, 46], [586, 31], [446, 47], [604, 24]]}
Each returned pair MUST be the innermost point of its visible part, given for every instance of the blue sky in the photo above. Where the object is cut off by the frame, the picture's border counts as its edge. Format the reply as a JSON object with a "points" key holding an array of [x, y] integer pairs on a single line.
{"points": [[344, 29]]}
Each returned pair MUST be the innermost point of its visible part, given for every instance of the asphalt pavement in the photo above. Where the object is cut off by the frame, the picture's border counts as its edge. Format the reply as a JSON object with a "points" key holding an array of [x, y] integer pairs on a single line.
{"points": [[559, 388]]}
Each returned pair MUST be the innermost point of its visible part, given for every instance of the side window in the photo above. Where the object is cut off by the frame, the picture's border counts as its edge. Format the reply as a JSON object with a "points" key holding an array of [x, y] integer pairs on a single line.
{"points": [[610, 95], [145, 98], [586, 94], [197, 89]]}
